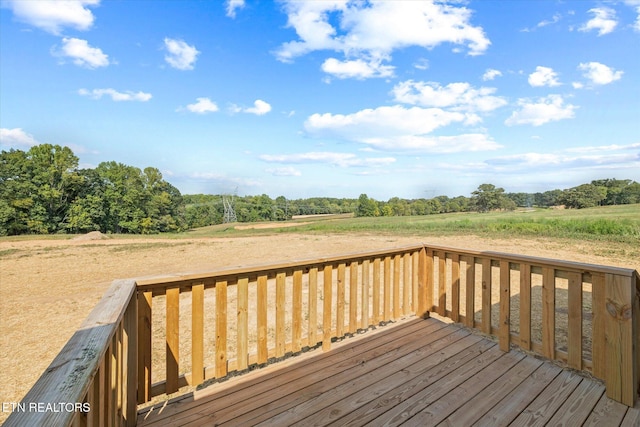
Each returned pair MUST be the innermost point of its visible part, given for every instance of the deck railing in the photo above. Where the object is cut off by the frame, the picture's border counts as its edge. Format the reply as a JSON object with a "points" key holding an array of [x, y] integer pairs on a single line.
{"points": [[194, 328], [154, 336], [587, 316], [92, 381]]}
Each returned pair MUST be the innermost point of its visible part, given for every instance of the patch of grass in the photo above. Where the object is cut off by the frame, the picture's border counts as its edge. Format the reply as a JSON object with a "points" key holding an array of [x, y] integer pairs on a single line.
{"points": [[130, 247], [7, 252]]}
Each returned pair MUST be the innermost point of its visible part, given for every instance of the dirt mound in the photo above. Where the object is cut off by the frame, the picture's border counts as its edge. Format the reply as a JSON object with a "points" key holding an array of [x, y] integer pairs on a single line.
{"points": [[94, 235]]}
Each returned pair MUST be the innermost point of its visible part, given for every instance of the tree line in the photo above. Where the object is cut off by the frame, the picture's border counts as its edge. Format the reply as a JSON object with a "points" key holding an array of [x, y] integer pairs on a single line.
{"points": [[488, 197], [43, 190]]}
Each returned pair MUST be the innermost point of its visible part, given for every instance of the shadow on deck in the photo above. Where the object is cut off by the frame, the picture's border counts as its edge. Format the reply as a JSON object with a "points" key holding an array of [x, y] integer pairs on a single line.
{"points": [[415, 372]]}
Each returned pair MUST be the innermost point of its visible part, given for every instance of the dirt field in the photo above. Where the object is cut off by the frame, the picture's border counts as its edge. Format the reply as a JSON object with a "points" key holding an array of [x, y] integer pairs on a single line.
{"points": [[47, 287]]}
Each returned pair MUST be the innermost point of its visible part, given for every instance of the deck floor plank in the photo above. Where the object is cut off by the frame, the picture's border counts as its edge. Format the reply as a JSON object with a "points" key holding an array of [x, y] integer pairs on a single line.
{"points": [[439, 410], [579, 405], [414, 372], [547, 403], [373, 409], [223, 395], [350, 401], [258, 396], [331, 389], [483, 402], [512, 405], [632, 418], [607, 413], [295, 393], [411, 405]]}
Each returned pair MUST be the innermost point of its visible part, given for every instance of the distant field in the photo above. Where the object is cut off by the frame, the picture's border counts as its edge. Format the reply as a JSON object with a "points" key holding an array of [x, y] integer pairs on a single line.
{"points": [[606, 223]]}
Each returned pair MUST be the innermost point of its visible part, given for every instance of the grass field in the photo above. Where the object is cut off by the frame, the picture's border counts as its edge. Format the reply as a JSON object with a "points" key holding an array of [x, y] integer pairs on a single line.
{"points": [[606, 223]]}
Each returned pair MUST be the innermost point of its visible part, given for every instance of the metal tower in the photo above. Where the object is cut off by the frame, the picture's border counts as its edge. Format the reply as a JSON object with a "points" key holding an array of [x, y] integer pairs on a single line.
{"points": [[229, 212]]}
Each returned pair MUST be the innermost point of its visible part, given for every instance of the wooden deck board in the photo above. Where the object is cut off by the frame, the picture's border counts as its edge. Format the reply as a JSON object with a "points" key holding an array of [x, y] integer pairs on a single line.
{"points": [[512, 405], [607, 413], [415, 372], [367, 381]]}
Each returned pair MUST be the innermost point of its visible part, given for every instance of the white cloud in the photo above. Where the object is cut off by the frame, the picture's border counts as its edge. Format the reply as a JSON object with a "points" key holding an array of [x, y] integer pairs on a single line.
{"points": [[285, 171], [467, 142], [600, 74], [603, 157], [541, 111], [566, 163], [491, 74], [554, 20], [436, 144], [16, 138], [604, 20], [544, 76], [603, 148], [358, 68], [202, 106], [180, 55], [577, 85], [54, 15], [332, 158], [422, 64], [368, 32], [259, 108], [457, 96], [397, 128], [81, 53], [381, 121], [636, 5], [232, 6], [115, 95]]}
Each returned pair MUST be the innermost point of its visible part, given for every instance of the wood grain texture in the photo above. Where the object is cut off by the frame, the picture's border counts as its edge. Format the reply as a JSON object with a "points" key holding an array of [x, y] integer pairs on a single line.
{"points": [[172, 358]]}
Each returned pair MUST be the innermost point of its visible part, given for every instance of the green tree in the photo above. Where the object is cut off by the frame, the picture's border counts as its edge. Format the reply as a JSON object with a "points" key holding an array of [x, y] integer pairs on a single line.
{"points": [[630, 193], [86, 214], [366, 206], [583, 196], [54, 172], [488, 197], [17, 192], [124, 196], [616, 190]]}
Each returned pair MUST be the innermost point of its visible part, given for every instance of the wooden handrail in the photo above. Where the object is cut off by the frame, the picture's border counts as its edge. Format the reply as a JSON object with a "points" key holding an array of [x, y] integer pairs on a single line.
{"points": [[94, 376], [110, 364], [556, 263], [149, 283]]}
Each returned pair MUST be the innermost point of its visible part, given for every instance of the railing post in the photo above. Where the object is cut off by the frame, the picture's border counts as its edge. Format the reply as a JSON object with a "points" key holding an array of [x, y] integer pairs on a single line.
{"points": [[144, 346], [423, 285], [131, 330], [636, 330], [621, 353], [504, 330], [326, 307]]}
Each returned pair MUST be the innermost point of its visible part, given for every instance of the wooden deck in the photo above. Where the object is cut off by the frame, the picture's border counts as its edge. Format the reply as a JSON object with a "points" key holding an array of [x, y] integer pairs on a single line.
{"points": [[416, 372]]}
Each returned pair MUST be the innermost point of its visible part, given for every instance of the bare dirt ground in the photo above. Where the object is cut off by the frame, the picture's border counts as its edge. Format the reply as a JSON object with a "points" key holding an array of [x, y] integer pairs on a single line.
{"points": [[48, 287]]}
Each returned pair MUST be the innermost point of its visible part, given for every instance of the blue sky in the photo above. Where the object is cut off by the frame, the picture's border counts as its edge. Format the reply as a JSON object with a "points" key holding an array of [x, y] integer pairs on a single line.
{"points": [[330, 98]]}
